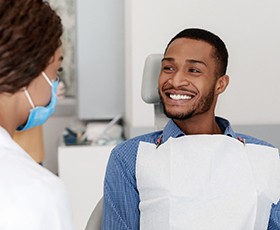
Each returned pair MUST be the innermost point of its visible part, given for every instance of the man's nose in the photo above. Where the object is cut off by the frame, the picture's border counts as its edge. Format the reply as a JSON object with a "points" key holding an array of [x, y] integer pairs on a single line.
{"points": [[179, 78]]}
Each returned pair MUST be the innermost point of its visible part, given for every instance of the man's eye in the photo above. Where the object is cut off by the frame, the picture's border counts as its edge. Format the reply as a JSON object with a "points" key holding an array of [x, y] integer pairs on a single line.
{"points": [[168, 69], [194, 70]]}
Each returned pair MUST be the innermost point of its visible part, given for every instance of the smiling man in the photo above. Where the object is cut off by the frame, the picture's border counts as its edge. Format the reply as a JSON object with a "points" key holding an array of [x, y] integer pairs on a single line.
{"points": [[196, 173]]}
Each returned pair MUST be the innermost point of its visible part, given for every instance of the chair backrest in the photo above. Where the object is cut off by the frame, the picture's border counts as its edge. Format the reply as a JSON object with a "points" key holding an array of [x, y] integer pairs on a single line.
{"points": [[149, 90]]}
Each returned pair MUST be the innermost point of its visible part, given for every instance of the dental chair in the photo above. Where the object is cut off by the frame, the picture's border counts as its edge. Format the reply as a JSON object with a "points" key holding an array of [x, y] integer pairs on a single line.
{"points": [[149, 90], [149, 94]]}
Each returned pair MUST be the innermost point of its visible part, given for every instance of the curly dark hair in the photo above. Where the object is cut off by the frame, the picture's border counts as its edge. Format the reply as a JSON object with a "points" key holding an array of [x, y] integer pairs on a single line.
{"points": [[30, 33], [220, 53]]}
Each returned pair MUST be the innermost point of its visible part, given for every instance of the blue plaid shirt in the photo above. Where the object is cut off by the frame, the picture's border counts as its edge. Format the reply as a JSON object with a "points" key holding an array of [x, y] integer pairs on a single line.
{"points": [[121, 197]]}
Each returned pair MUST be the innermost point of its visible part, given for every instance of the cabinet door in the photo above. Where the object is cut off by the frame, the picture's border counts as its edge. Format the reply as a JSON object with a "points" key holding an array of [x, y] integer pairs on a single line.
{"points": [[100, 58]]}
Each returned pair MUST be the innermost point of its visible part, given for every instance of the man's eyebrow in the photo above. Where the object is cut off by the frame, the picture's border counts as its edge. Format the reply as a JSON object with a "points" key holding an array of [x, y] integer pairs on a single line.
{"points": [[194, 61], [167, 59]]}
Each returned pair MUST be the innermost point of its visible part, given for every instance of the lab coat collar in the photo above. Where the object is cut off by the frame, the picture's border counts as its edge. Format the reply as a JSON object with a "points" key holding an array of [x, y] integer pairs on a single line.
{"points": [[4, 132], [8, 143], [5, 138]]}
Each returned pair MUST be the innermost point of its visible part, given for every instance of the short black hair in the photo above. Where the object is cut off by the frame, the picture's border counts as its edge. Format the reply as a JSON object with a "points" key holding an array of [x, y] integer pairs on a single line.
{"points": [[220, 53]]}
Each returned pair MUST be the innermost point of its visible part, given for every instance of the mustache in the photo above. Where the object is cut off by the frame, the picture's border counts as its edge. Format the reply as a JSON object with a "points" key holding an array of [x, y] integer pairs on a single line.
{"points": [[181, 88]]}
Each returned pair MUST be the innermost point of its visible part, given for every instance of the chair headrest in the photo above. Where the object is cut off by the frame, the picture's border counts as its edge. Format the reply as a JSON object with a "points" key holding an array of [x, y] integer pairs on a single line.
{"points": [[149, 91]]}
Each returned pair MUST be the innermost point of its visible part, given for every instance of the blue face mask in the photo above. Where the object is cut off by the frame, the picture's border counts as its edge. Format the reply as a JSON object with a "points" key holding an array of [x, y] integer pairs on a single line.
{"points": [[38, 115]]}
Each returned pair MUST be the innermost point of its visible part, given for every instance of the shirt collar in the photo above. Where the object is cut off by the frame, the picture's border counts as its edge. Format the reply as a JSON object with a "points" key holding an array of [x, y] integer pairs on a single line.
{"points": [[172, 130]]}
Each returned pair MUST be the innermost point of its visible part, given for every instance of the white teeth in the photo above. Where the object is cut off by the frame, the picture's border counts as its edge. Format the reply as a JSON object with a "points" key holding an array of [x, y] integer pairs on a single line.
{"points": [[180, 97]]}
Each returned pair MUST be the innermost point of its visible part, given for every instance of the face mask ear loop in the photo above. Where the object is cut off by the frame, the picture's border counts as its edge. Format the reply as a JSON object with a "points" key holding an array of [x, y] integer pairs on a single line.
{"points": [[28, 97], [47, 79]]}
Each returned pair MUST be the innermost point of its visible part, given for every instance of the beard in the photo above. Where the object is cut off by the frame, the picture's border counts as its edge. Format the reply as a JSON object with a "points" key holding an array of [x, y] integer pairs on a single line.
{"points": [[202, 106]]}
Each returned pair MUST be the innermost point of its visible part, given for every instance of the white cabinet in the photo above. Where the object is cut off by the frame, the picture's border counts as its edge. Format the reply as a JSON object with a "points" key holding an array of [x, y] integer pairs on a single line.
{"points": [[82, 169]]}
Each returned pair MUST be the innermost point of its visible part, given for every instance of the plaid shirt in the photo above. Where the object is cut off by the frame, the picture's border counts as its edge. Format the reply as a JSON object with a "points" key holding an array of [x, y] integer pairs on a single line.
{"points": [[121, 197]]}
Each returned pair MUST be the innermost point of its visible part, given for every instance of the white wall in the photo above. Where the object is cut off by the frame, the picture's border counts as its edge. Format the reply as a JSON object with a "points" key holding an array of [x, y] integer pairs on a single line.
{"points": [[250, 31]]}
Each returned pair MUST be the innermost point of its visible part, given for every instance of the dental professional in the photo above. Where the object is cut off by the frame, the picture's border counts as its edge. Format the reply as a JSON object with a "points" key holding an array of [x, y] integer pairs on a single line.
{"points": [[197, 173], [31, 197]]}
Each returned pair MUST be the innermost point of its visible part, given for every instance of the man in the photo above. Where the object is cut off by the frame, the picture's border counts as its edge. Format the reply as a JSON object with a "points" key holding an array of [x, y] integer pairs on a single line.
{"points": [[192, 174]]}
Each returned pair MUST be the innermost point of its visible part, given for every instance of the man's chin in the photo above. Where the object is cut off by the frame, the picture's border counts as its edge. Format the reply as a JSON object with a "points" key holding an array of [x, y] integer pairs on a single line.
{"points": [[178, 116]]}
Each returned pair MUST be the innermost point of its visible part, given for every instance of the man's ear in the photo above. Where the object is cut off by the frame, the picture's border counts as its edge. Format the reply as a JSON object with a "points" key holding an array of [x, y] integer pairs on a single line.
{"points": [[221, 84]]}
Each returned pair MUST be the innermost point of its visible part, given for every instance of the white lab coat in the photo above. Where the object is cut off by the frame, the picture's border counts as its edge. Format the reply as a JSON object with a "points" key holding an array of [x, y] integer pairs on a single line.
{"points": [[31, 197]]}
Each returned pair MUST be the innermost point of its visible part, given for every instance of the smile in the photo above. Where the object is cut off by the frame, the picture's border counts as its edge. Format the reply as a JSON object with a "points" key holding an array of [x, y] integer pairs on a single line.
{"points": [[180, 97]]}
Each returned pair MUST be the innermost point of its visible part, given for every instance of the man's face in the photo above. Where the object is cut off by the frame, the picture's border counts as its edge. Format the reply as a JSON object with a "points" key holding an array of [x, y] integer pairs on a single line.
{"points": [[187, 80]]}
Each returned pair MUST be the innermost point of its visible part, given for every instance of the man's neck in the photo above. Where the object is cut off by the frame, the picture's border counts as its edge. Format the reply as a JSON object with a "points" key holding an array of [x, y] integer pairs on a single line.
{"points": [[199, 124]]}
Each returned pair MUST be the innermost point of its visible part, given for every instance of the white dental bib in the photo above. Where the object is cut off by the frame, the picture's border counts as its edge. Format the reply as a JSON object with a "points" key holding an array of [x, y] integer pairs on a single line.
{"points": [[206, 182]]}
